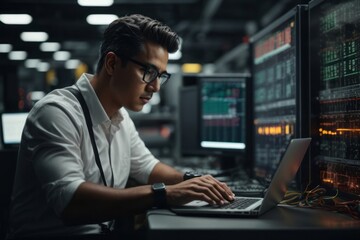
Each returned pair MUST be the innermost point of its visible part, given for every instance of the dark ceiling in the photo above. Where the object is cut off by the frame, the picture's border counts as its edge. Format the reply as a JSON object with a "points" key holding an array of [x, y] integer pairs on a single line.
{"points": [[209, 29]]}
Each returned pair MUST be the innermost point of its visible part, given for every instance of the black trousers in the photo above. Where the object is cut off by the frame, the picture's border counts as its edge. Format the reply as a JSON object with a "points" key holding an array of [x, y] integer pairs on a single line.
{"points": [[125, 229], [135, 235]]}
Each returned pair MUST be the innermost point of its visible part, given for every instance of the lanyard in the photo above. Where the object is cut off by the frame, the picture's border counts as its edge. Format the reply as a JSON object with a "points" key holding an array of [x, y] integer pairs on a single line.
{"points": [[82, 102]]}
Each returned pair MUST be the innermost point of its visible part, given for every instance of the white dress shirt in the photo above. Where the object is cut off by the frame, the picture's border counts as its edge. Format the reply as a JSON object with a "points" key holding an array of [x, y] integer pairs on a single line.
{"points": [[56, 156]]}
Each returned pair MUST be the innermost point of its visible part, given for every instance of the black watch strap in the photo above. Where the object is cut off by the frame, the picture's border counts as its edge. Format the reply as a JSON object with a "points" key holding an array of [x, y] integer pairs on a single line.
{"points": [[159, 190]]}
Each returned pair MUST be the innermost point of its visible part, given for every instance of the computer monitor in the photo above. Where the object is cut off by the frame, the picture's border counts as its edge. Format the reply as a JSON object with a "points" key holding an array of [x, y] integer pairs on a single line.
{"points": [[188, 121], [279, 89], [12, 125], [335, 89], [222, 116], [188, 117]]}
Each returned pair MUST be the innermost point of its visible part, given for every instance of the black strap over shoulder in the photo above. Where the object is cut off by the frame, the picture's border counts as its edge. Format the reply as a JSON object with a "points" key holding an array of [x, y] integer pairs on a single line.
{"points": [[82, 102]]}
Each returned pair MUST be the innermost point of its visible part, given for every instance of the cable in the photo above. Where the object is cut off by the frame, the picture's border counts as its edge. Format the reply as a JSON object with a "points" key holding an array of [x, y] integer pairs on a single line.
{"points": [[317, 198]]}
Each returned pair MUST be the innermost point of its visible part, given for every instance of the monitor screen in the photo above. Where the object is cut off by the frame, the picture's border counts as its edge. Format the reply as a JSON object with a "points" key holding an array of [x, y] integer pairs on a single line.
{"points": [[222, 108], [278, 89], [12, 125], [335, 83]]}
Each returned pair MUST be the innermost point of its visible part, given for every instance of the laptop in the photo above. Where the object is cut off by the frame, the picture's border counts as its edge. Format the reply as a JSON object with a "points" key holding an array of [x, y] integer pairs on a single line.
{"points": [[255, 206]]}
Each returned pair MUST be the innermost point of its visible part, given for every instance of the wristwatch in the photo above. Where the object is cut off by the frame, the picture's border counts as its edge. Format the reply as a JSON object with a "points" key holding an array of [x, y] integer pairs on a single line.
{"points": [[189, 175], [159, 190]]}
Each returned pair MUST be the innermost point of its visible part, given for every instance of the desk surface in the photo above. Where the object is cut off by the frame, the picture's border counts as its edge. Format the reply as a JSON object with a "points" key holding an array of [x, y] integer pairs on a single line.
{"points": [[282, 222]]}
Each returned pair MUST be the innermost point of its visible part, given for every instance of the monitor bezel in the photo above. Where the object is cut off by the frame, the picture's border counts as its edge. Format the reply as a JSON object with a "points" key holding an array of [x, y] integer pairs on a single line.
{"points": [[299, 14], [224, 154], [314, 109], [188, 122]]}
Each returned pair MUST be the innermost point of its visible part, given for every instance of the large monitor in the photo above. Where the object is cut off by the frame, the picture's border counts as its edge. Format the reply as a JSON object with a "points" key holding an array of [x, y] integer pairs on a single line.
{"points": [[279, 89], [222, 115], [335, 84]]}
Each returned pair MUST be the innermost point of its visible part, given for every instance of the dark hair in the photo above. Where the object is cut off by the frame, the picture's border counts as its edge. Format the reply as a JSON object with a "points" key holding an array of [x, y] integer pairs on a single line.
{"points": [[126, 35]]}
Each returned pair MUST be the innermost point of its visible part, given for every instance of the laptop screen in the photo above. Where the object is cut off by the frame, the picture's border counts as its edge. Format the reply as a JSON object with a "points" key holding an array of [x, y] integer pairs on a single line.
{"points": [[12, 125]]}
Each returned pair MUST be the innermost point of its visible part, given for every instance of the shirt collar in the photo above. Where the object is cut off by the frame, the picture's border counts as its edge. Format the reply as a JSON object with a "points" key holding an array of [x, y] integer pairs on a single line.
{"points": [[97, 112]]}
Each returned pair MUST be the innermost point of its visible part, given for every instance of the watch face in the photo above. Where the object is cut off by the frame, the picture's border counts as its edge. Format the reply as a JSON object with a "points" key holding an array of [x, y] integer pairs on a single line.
{"points": [[158, 186], [159, 190]]}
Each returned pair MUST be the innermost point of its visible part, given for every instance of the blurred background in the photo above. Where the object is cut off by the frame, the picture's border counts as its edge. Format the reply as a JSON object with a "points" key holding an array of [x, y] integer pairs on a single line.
{"points": [[48, 44]]}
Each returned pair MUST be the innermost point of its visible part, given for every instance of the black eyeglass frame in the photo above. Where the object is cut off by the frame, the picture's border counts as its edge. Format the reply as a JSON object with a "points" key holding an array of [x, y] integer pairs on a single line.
{"points": [[146, 71]]}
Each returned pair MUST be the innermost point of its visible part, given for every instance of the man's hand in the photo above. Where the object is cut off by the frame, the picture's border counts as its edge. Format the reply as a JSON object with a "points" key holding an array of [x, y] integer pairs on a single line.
{"points": [[205, 188]]}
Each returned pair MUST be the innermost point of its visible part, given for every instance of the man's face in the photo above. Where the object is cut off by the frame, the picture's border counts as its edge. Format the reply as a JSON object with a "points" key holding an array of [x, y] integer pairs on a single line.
{"points": [[127, 87]]}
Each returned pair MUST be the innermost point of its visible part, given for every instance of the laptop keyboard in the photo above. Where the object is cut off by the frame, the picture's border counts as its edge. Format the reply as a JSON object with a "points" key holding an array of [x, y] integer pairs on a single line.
{"points": [[240, 203], [250, 190]]}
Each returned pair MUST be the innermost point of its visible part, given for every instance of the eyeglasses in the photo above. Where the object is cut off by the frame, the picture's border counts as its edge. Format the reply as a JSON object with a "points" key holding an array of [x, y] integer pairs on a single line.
{"points": [[151, 73]]}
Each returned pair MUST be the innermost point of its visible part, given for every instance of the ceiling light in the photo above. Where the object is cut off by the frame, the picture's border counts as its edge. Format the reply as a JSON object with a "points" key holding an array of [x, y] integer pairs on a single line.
{"points": [[43, 67], [31, 63], [100, 19], [17, 55], [175, 56], [72, 63], [49, 46], [36, 95], [5, 47], [34, 36], [95, 3], [20, 19], [61, 55], [178, 54], [191, 68]]}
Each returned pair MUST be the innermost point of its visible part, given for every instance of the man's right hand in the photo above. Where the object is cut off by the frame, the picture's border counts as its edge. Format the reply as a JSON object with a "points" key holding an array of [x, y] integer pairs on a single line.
{"points": [[205, 188]]}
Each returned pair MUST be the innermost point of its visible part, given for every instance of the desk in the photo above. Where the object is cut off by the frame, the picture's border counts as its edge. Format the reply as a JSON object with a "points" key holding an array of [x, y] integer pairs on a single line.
{"points": [[282, 222]]}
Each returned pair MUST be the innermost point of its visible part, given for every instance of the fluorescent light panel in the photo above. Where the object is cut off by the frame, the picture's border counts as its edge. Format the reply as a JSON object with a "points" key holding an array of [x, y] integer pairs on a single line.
{"points": [[100, 19], [175, 56], [72, 63], [50, 46], [191, 67], [34, 36], [37, 95], [61, 55], [31, 63], [5, 47], [19, 19], [17, 55], [95, 3], [43, 67], [178, 54]]}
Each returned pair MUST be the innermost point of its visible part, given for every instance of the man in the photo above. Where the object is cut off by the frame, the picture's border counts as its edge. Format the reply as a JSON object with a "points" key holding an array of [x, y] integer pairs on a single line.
{"points": [[59, 188]]}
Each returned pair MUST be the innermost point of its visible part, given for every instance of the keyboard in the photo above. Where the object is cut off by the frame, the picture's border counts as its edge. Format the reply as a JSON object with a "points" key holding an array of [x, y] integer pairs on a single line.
{"points": [[244, 187], [248, 188], [249, 191], [240, 203], [202, 171]]}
